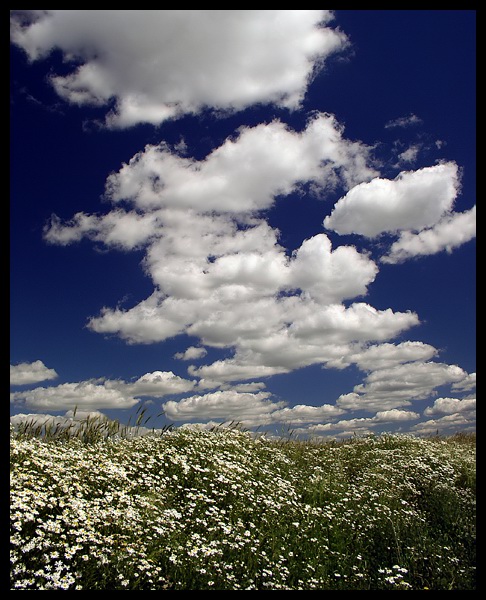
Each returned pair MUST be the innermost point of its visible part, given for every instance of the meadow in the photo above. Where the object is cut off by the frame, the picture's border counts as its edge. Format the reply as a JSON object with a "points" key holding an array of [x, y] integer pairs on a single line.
{"points": [[192, 509]]}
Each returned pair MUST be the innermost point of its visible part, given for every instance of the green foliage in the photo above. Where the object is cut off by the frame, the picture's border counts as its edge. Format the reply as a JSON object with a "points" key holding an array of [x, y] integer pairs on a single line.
{"points": [[193, 509]]}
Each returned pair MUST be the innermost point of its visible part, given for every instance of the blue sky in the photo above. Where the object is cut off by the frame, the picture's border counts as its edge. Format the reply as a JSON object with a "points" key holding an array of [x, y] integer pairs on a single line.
{"points": [[257, 216]]}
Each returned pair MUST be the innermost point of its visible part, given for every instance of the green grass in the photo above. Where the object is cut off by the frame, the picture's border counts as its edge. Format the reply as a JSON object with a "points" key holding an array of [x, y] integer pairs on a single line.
{"points": [[194, 509]]}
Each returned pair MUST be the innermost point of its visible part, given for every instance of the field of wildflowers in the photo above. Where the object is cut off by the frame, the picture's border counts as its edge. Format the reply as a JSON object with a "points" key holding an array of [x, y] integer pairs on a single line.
{"points": [[192, 509]]}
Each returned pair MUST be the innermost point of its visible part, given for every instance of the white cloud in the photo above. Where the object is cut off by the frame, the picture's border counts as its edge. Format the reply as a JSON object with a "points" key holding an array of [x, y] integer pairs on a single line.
{"points": [[446, 425], [227, 405], [450, 232], [398, 386], [381, 356], [413, 200], [359, 322], [145, 323], [28, 373], [99, 394], [389, 416], [245, 173], [315, 335], [185, 60], [118, 228], [191, 353], [82, 415], [222, 276], [466, 384], [358, 426], [407, 121], [225, 278], [302, 413], [330, 276], [250, 409], [234, 369], [157, 384], [86, 395], [335, 430], [73, 421], [448, 406], [409, 155]]}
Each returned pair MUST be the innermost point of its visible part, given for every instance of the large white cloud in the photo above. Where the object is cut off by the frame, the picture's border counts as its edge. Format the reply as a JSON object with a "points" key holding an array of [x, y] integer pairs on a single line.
{"points": [[28, 373], [269, 335], [159, 64], [219, 271], [413, 201], [316, 335], [245, 173]]}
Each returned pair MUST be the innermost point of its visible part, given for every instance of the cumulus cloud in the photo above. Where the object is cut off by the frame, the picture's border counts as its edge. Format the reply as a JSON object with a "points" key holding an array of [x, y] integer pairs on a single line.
{"points": [[448, 406], [302, 413], [246, 172], [446, 425], [118, 228], [466, 384], [316, 335], [234, 369], [409, 155], [191, 353], [388, 416], [358, 426], [382, 356], [227, 405], [102, 394], [247, 408], [220, 196], [85, 394], [414, 200], [398, 386], [159, 384], [330, 276], [226, 279], [28, 373], [185, 60], [450, 232]]}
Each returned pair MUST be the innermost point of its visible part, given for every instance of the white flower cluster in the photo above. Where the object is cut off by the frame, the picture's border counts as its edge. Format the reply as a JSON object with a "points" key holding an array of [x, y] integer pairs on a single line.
{"points": [[197, 509]]}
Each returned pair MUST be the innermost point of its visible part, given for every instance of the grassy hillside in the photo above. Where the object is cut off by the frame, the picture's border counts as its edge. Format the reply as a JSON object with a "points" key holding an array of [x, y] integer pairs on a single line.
{"points": [[194, 509]]}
